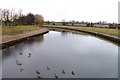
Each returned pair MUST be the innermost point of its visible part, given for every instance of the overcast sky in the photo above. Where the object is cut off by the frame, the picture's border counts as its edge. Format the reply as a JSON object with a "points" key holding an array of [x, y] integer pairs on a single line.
{"points": [[78, 10]]}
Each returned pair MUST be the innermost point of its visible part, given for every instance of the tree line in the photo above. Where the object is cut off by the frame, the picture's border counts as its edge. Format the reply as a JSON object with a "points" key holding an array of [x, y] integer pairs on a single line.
{"points": [[13, 18]]}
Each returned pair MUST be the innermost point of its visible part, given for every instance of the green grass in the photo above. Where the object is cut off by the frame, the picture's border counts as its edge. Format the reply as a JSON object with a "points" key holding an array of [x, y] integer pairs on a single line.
{"points": [[112, 32], [12, 30]]}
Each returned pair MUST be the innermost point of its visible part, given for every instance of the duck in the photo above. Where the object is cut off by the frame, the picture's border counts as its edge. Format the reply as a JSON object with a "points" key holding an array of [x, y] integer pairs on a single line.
{"points": [[72, 73], [39, 77], [20, 53], [37, 72], [63, 71], [21, 69], [56, 76], [29, 53], [18, 63], [48, 68]]}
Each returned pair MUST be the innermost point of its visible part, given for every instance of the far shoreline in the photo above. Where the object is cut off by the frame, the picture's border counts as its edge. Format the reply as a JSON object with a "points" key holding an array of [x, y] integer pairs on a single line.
{"points": [[9, 40], [98, 34]]}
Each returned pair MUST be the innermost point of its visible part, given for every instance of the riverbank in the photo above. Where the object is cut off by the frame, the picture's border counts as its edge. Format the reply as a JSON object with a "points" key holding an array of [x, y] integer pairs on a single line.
{"points": [[109, 34], [8, 40], [13, 30]]}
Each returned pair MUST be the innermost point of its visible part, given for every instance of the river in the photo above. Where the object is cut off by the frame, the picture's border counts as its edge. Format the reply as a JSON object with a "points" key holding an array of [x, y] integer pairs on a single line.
{"points": [[87, 56]]}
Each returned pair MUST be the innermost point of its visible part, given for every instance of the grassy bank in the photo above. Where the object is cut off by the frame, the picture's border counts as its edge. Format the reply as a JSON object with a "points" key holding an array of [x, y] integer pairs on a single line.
{"points": [[12, 30], [111, 32]]}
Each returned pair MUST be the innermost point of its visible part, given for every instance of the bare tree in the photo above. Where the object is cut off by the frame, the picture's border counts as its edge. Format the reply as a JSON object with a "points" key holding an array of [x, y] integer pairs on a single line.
{"points": [[10, 17], [20, 13], [12, 13], [5, 15], [39, 20], [0, 17], [30, 19], [0, 14]]}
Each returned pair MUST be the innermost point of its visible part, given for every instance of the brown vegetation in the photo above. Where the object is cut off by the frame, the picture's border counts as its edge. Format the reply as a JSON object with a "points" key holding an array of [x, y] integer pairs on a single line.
{"points": [[10, 18]]}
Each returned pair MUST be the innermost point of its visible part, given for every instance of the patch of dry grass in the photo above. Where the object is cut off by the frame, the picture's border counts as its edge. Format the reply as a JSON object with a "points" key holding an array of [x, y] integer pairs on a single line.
{"points": [[12, 30]]}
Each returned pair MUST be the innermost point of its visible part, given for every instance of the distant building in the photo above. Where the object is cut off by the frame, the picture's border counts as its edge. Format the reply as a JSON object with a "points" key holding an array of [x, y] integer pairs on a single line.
{"points": [[104, 25], [87, 24]]}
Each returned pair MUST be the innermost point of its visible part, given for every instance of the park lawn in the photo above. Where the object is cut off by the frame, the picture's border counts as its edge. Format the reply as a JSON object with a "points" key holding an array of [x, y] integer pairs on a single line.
{"points": [[12, 30], [111, 32]]}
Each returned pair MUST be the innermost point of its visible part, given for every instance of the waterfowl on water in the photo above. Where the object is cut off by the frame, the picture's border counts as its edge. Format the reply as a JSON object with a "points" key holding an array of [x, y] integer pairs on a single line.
{"points": [[48, 68], [18, 63], [21, 69], [37, 72], [29, 53], [72, 73], [56, 76], [63, 71], [20, 53], [39, 77]]}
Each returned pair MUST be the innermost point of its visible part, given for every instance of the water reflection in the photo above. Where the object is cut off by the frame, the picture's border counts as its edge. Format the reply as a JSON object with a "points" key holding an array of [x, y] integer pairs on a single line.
{"points": [[10, 51], [64, 33], [36, 39], [52, 56]]}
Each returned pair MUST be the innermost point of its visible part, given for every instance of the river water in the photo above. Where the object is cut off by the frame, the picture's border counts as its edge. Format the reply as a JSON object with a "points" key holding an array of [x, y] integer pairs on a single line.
{"points": [[87, 56]]}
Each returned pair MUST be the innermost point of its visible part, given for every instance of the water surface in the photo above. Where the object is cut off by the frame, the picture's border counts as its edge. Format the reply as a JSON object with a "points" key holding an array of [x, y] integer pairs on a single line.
{"points": [[87, 56]]}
